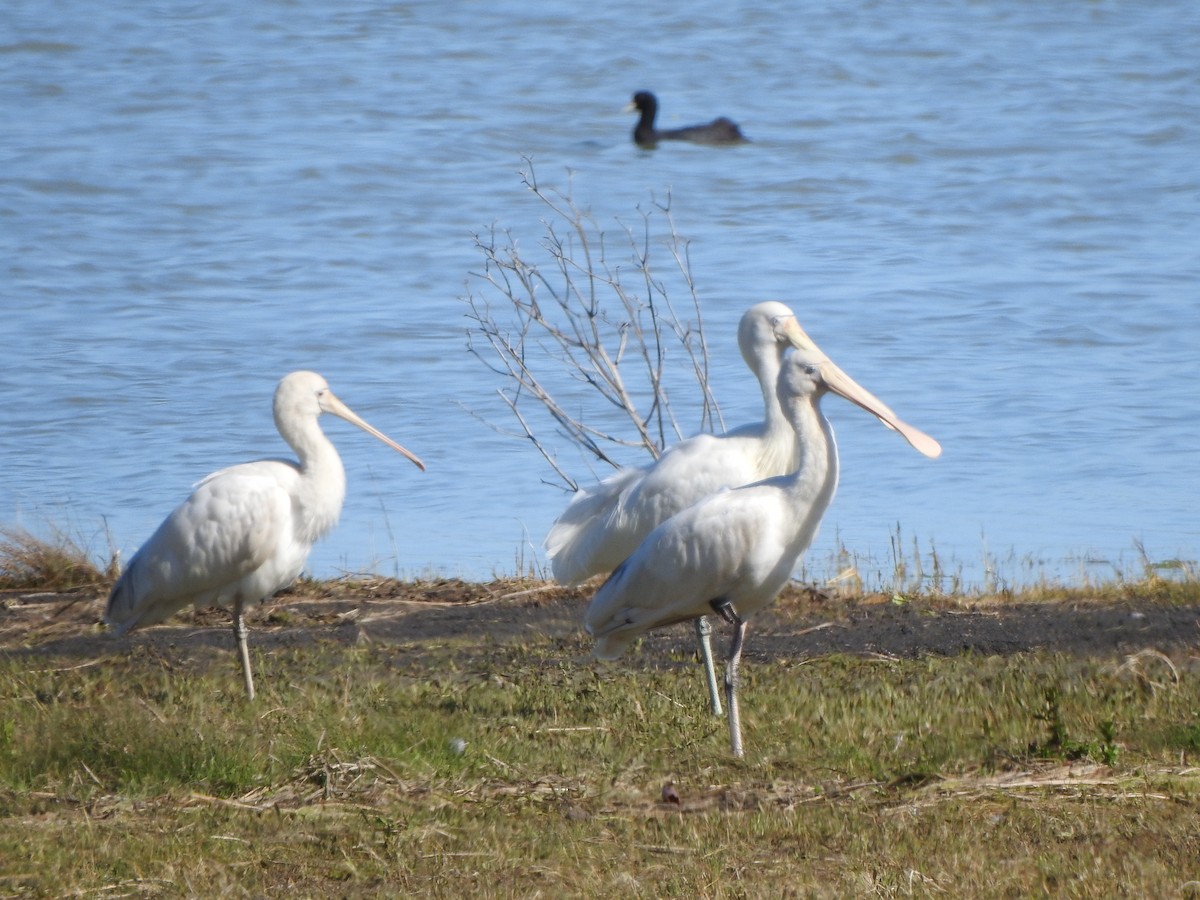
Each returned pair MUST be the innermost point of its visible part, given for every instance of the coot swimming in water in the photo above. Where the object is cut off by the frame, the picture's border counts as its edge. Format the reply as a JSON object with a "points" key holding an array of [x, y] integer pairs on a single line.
{"points": [[718, 131]]}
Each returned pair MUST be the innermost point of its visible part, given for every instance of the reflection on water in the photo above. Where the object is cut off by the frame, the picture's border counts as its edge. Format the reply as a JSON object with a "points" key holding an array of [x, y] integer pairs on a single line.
{"points": [[986, 214]]}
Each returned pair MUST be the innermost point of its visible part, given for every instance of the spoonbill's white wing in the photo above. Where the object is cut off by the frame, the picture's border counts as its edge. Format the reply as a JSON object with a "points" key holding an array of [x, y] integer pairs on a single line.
{"points": [[236, 534], [576, 541], [737, 545]]}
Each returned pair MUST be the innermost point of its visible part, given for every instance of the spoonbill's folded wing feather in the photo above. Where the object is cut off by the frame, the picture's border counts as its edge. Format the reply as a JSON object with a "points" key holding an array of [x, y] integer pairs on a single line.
{"points": [[725, 547], [603, 525], [576, 540], [231, 526]]}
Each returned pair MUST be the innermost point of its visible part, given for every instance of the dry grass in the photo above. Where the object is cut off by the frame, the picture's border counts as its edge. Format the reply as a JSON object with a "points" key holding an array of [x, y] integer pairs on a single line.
{"points": [[28, 562]]}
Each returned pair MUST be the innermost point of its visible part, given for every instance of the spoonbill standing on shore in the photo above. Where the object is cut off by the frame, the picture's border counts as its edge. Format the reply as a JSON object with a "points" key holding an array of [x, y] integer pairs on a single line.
{"points": [[604, 524], [246, 531], [732, 552]]}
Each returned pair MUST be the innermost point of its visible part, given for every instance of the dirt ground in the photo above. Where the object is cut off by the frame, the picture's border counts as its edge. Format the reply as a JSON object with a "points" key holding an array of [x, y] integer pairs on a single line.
{"points": [[801, 623]]}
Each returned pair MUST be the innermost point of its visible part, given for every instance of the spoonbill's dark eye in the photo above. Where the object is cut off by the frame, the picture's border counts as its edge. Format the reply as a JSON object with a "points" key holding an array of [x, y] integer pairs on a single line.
{"points": [[810, 370]]}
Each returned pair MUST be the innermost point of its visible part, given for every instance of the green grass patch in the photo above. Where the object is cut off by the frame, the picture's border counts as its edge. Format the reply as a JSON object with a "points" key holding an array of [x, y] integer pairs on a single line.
{"points": [[474, 758], [984, 776]]}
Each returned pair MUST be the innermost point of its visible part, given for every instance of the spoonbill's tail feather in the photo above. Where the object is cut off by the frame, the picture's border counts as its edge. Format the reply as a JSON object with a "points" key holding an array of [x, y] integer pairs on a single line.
{"points": [[121, 605], [127, 607], [616, 620], [579, 543]]}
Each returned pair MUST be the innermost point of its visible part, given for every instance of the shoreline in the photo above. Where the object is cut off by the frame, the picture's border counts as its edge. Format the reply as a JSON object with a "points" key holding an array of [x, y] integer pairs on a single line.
{"points": [[802, 622]]}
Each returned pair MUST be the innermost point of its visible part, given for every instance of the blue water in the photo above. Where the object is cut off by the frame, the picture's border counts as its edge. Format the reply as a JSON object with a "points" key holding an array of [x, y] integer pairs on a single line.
{"points": [[987, 213]]}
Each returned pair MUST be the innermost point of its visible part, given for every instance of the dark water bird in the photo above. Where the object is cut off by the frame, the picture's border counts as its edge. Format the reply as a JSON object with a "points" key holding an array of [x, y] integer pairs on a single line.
{"points": [[718, 131], [732, 552], [245, 531]]}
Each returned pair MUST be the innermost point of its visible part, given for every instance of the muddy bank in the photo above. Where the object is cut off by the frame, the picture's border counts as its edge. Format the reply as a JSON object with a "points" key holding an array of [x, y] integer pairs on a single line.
{"points": [[802, 623]]}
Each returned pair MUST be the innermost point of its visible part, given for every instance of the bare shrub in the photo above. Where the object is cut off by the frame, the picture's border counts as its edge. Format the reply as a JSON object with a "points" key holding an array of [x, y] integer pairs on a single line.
{"points": [[579, 319]]}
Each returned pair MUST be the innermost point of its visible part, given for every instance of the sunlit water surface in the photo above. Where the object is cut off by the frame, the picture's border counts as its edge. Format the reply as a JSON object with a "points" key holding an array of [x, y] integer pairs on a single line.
{"points": [[985, 212]]}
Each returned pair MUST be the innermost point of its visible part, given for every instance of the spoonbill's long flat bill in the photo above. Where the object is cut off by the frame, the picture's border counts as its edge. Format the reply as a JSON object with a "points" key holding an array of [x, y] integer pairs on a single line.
{"points": [[732, 552], [604, 524], [246, 531]]}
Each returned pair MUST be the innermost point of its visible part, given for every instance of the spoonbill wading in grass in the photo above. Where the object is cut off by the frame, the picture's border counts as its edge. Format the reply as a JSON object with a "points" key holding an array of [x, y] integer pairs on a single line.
{"points": [[245, 532], [732, 552], [604, 524]]}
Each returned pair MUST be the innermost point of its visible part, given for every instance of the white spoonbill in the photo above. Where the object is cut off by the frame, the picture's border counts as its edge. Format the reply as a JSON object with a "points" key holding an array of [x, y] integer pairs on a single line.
{"points": [[246, 531], [604, 524], [733, 551]]}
